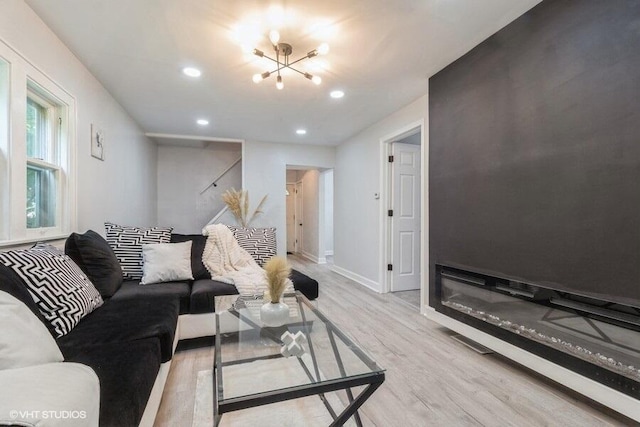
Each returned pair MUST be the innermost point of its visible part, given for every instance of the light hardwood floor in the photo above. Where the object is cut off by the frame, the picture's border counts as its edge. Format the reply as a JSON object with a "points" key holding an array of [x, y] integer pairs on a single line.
{"points": [[431, 380]]}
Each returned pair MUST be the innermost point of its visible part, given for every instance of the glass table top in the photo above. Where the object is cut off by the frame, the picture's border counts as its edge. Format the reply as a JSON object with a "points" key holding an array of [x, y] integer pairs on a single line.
{"points": [[249, 359]]}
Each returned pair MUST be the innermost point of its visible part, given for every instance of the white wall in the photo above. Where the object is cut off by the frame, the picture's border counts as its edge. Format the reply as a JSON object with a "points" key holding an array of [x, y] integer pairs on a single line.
{"points": [[265, 167], [327, 177], [183, 172], [311, 214], [357, 214], [121, 189]]}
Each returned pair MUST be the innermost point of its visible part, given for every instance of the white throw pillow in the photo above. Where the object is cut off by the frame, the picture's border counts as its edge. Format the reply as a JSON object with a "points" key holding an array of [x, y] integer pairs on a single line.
{"points": [[166, 262], [24, 340]]}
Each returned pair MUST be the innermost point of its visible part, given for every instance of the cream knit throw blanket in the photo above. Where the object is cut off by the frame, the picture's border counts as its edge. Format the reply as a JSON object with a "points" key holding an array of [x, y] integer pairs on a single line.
{"points": [[228, 262]]}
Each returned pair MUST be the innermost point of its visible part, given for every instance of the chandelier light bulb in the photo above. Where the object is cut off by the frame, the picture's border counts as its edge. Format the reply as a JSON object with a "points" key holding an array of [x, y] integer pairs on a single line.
{"points": [[323, 49], [257, 78], [316, 79], [279, 83], [274, 36]]}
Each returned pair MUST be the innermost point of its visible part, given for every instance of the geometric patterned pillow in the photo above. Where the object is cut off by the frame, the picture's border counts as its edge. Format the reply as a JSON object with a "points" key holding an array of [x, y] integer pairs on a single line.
{"points": [[127, 242], [259, 242], [61, 290]]}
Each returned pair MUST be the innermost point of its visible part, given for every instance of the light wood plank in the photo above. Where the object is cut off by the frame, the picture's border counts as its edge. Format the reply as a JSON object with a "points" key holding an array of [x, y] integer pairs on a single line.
{"points": [[430, 380]]}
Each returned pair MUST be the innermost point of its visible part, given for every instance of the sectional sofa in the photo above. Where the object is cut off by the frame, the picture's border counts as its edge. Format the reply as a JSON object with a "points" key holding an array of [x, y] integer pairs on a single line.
{"points": [[128, 340]]}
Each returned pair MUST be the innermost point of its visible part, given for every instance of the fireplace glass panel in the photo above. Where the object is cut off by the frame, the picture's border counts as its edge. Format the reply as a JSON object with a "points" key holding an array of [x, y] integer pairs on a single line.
{"points": [[608, 345]]}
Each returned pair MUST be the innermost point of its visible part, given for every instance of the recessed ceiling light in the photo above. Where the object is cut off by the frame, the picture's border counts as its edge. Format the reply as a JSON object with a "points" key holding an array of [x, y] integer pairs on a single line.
{"points": [[301, 132], [202, 122], [336, 94], [192, 72]]}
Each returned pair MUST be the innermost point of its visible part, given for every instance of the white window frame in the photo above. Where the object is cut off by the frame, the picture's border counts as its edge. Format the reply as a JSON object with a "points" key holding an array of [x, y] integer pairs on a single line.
{"points": [[25, 79]]}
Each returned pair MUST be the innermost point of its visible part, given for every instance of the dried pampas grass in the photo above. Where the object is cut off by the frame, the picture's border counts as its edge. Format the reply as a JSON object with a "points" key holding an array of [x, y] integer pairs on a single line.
{"points": [[238, 203], [278, 271]]}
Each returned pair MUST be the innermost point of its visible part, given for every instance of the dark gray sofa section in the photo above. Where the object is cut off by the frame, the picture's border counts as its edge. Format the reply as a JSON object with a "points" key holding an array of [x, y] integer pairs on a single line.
{"points": [[128, 338]]}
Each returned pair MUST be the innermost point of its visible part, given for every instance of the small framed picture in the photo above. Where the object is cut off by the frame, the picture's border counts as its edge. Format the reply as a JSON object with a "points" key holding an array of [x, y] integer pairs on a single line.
{"points": [[97, 142]]}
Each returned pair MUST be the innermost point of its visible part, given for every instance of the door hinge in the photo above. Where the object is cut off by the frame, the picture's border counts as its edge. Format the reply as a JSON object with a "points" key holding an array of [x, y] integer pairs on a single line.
{"points": [[389, 267], [60, 121], [390, 159], [390, 212]]}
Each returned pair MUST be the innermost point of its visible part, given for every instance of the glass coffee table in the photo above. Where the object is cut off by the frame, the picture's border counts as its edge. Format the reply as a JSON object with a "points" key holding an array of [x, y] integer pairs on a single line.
{"points": [[251, 368]]}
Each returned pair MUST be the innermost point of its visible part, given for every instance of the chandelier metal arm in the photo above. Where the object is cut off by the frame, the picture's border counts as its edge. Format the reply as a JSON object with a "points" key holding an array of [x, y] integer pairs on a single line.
{"points": [[298, 71], [284, 50], [282, 65]]}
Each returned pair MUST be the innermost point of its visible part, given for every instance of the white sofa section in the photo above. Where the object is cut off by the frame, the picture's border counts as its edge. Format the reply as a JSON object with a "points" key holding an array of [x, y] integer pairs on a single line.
{"points": [[52, 395]]}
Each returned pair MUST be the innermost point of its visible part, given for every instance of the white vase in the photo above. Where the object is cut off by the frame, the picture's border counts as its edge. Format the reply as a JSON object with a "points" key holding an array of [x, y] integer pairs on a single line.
{"points": [[274, 314]]}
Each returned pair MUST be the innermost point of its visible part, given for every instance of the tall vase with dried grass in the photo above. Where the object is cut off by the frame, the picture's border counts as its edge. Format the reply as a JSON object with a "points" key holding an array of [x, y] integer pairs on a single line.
{"points": [[275, 312], [238, 203]]}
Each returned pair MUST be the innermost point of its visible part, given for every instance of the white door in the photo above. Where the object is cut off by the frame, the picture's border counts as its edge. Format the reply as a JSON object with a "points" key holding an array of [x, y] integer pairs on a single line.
{"points": [[291, 218], [298, 217], [405, 221]]}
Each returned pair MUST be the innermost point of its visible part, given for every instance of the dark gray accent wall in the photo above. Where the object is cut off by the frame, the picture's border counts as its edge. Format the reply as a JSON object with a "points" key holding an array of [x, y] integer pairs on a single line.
{"points": [[534, 151]]}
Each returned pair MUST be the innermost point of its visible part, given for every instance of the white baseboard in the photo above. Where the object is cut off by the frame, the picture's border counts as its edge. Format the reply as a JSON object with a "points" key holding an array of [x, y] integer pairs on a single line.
{"points": [[609, 397], [368, 283], [313, 258]]}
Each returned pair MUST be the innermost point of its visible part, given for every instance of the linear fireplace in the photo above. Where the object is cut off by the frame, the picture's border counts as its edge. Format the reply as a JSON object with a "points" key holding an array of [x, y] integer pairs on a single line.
{"points": [[597, 339]]}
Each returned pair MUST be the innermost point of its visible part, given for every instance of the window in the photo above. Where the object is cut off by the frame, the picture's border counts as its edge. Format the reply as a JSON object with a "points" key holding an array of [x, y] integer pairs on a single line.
{"points": [[37, 153], [43, 170]]}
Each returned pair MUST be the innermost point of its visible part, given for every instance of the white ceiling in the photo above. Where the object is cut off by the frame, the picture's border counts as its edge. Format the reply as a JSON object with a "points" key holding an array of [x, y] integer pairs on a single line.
{"points": [[382, 53]]}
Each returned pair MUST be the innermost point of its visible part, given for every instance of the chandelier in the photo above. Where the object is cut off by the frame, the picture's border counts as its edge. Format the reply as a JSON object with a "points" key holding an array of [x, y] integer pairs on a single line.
{"points": [[283, 53]]}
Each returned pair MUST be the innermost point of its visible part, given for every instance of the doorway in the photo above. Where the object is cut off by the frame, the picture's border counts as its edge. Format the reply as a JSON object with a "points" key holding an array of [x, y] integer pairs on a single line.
{"points": [[310, 212], [403, 250], [405, 218]]}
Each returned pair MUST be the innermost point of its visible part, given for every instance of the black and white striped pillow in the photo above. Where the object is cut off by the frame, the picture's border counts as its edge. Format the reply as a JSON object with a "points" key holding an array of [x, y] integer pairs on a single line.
{"points": [[61, 290], [127, 242], [259, 242]]}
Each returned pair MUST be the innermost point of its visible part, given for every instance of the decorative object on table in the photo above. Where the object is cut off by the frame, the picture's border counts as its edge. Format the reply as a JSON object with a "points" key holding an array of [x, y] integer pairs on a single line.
{"points": [[275, 312], [97, 142], [293, 344], [238, 203]]}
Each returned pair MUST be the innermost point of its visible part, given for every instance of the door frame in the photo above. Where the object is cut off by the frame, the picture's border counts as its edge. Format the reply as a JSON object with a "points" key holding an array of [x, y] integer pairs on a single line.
{"points": [[291, 196], [385, 253], [298, 208]]}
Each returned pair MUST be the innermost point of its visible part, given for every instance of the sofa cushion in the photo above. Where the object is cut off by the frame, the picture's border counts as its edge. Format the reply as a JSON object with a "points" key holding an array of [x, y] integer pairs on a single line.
{"points": [[28, 396], [123, 322], [59, 287], [12, 284], [127, 372], [95, 257], [126, 243], [166, 262], [198, 241], [203, 291], [24, 340], [132, 289], [304, 284], [259, 242]]}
